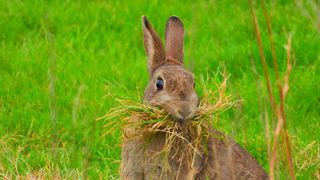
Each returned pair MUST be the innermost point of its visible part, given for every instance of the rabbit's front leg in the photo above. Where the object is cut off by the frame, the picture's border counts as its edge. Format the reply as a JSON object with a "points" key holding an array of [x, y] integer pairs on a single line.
{"points": [[132, 161]]}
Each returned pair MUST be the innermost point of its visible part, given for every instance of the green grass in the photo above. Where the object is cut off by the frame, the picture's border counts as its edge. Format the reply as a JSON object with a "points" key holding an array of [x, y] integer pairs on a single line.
{"points": [[96, 42]]}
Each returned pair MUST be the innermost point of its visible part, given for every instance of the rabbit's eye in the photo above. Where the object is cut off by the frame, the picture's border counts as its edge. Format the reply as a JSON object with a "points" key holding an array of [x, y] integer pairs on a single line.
{"points": [[159, 84], [194, 85]]}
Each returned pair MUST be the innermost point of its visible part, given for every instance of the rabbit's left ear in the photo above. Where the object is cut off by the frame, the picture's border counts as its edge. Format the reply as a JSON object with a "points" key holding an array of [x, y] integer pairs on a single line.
{"points": [[174, 38], [154, 48]]}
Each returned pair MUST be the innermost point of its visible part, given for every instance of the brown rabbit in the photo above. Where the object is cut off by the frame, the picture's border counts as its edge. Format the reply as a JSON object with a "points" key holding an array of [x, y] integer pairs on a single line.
{"points": [[172, 87]]}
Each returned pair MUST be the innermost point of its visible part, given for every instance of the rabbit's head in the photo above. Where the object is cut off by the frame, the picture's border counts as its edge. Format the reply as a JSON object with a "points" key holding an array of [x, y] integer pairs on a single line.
{"points": [[170, 86]]}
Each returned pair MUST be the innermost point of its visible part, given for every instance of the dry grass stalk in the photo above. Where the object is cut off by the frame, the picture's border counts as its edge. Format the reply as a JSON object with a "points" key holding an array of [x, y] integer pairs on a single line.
{"points": [[263, 59], [281, 128], [270, 35], [281, 89], [139, 120], [285, 89], [281, 124]]}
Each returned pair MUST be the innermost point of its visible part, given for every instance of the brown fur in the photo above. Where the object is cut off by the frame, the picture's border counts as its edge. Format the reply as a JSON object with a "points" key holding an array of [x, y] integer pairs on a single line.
{"points": [[142, 159]]}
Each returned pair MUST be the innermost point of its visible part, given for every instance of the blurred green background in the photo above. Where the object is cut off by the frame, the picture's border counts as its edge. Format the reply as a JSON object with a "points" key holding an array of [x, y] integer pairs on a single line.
{"points": [[96, 47]]}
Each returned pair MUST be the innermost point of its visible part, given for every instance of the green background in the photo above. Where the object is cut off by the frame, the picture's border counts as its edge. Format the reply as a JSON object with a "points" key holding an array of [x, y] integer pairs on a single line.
{"points": [[97, 47]]}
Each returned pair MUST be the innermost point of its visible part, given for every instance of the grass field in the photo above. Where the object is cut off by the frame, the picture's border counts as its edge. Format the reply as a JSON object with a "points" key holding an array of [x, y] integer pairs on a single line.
{"points": [[58, 60]]}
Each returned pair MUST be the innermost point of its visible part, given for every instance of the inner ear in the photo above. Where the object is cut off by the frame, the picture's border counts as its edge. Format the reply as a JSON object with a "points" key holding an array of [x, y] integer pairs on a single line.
{"points": [[174, 38]]}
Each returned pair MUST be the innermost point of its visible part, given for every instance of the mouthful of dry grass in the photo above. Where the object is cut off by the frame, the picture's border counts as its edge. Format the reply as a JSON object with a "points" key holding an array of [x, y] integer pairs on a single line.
{"points": [[139, 120]]}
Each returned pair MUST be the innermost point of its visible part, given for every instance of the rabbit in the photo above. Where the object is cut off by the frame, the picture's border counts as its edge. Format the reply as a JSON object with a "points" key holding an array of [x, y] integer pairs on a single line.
{"points": [[171, 87]]}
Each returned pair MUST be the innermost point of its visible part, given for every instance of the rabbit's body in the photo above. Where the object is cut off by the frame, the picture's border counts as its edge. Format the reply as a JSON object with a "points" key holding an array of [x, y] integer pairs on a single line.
{"points": [[224, 160], [145, 163], [172, 88]]}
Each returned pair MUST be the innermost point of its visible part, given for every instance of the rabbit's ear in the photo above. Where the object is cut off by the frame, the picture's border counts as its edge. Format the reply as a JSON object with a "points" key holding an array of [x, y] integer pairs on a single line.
{"points": [[154, 48], [174, 38]]}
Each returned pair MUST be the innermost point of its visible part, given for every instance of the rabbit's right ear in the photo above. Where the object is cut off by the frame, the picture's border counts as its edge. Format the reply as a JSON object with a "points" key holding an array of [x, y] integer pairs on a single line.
{"points": [[174, 38], [154, 48]]}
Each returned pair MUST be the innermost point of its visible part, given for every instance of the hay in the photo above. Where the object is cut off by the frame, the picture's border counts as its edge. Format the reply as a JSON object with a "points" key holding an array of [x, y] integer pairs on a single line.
{"points": [[139, 120]]}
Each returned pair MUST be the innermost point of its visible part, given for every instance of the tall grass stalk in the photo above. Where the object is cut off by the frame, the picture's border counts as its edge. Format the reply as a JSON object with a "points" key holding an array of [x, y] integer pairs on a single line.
{"points": [[278, 109]]}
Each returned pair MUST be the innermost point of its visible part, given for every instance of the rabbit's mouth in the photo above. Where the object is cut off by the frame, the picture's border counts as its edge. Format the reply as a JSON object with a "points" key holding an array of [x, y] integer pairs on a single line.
{"points": [[180, 119], [182, 112], [179, 110]]}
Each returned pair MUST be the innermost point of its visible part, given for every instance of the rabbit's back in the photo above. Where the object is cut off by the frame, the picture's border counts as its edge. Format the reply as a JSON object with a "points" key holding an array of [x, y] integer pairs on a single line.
{"points": [[228, 160]]}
